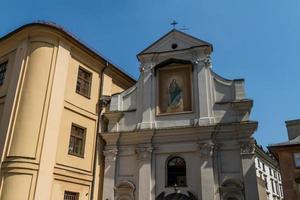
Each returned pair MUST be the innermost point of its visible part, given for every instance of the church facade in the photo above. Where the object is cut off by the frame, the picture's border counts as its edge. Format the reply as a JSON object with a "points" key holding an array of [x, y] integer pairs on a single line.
{"points": [[181, 132]]}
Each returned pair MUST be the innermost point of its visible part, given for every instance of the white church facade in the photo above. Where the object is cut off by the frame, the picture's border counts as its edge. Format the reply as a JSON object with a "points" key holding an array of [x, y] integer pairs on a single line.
{"points": [[181, 132]]}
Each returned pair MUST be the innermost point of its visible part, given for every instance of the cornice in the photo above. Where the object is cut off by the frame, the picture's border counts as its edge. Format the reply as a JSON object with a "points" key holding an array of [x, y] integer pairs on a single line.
{"points": [[222, 132], [59, 31]]}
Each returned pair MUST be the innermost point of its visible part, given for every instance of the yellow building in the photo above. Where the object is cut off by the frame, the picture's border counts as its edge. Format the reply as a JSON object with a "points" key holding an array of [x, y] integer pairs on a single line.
{"points": [[50, 86]]}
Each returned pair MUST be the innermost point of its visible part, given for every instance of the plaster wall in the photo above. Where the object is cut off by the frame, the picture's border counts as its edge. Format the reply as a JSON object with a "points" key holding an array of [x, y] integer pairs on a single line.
{"points": [[20, 181], [62, 156], [32, 101], [39, 102], [60, 186], [87, 104]]}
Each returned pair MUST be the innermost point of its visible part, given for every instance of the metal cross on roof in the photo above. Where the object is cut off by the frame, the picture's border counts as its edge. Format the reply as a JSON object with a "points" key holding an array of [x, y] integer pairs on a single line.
{"points": [[174, 23]]}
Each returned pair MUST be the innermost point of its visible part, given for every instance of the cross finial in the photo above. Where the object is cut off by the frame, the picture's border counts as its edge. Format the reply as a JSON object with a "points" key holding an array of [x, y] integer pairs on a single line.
{"points": [[174, 23]]}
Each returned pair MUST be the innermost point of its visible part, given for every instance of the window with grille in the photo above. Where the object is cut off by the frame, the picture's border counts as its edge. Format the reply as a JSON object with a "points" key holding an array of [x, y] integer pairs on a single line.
{"points": [[176, 172], [84, 81], [71, 195], [77, 140], [2, 72]]}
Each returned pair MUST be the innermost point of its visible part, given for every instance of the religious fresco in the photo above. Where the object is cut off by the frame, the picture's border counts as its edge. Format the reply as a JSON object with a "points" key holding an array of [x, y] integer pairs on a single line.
{"points": [[175, 97], [174, 89]]}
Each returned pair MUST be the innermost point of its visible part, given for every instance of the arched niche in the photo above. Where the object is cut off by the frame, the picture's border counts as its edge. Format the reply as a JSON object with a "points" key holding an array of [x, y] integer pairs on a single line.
{"points": [[125, 190], [232, 189]]}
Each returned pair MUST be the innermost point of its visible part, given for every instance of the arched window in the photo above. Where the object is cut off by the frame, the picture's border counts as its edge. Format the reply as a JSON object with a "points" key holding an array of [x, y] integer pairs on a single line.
{"points": [[231, 198], [176, 172]]}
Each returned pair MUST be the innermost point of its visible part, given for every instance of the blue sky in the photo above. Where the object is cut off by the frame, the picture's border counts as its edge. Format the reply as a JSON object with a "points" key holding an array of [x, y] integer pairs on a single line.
{"points": [[253, 39]]}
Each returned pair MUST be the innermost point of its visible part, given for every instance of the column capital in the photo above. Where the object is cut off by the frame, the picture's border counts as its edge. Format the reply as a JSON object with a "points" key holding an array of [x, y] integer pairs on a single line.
{"points": [[144, 153], [110, 154], [206, 149], [144, 67], [247, 147], [206, 61]]}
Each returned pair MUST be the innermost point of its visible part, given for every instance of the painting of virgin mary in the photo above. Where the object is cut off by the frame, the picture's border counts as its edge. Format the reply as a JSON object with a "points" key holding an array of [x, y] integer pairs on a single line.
{"points": [[174, 90], [175, 97]]}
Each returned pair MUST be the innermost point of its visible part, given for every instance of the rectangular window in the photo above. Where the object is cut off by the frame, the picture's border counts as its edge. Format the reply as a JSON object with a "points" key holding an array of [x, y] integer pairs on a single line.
{"points": [[273, 190], [2, 72], [71, 195], [276, 187], [297, 159], [270, 170], [266, 183], [77, 140], [84, 82], [264, 169]]}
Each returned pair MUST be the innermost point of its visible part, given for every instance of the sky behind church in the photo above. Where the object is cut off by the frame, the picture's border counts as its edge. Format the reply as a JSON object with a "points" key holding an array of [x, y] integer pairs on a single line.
{"points": [[255, 39]]}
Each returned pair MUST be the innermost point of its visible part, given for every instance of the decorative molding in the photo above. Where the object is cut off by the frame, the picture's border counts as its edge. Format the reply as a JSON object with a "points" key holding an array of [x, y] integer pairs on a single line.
{"points": [[206, 149], [104, 101], [176, 195], [247, 147], [125, 190], [110, 154], [203, 60], [113, 116], [146, 67], [207, 61], [144, 153]]}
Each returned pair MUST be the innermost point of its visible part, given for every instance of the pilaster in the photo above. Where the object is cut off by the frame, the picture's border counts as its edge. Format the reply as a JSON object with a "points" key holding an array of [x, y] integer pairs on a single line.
{"points": [[11, 97], [203, 85], [110, 155], [144, 155], [249, 171], [146, 85], [50, 141], [206, 151]]}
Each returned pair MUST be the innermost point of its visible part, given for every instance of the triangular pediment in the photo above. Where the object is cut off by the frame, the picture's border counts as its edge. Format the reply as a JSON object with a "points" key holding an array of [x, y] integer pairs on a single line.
{"points": [[173, 41]]}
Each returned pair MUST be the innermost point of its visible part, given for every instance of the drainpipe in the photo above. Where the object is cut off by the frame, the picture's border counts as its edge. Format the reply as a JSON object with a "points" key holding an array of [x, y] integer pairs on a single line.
{"points": [[100, 108]]}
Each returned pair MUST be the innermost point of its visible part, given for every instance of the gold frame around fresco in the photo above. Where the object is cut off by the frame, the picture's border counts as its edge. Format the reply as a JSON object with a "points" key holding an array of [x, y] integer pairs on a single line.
{"points": [[183, 73]]}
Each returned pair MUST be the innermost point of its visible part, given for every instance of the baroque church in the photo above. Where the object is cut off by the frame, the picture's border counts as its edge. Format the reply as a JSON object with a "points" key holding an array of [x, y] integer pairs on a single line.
{"points": [[181, 132]]}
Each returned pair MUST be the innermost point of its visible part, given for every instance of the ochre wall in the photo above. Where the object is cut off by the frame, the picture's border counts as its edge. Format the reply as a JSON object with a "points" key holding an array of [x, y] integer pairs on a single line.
{"points": [[40, 104], [31, 106], [63, 158], [111, 86]]}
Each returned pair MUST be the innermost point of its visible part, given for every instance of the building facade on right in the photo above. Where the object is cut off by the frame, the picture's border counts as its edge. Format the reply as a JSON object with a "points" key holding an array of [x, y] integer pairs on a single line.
{"points": [[288, 155], [267, 172]]}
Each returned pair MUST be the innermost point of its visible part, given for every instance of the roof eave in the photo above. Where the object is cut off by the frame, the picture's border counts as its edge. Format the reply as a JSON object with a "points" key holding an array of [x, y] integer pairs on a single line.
{"points": [[75, 39]]}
